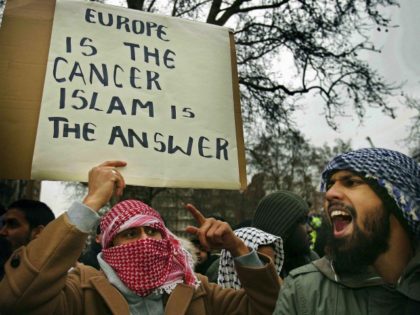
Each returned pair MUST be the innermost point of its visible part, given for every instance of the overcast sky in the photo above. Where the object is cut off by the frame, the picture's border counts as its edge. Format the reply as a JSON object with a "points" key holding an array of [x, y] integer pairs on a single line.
{"points": [[398, 62]]}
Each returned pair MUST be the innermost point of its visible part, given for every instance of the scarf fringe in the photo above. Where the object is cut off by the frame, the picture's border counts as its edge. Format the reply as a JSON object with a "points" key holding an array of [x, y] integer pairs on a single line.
{"points": [[169, 287]]}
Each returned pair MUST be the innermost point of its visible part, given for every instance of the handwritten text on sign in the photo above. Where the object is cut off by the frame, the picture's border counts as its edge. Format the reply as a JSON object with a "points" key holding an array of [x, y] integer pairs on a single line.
{"points": [[133, 86]]}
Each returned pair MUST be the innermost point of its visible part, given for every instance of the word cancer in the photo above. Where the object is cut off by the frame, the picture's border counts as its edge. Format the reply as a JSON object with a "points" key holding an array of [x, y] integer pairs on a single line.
{"points": [[106, 75]]}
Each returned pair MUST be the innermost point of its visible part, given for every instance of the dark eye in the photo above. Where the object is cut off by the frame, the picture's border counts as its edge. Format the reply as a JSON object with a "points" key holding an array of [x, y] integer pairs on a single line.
{"points": [[12, 224], [352, 181], [330, 183], [130, 233], [150, 231]]}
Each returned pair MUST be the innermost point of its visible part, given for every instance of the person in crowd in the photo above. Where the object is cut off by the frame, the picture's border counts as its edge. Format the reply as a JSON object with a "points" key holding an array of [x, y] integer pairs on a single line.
{"points": [[144, 270], [257, 240], [188, 245], [212, 270], [314, 221], [322, 232], [372, 262], [285, 214], [93, 247], [204, 257], [22, 221]]}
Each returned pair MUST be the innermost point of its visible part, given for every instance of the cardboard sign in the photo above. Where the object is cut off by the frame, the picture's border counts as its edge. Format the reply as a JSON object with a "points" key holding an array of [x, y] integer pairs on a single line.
{"points": [[158, 92]]}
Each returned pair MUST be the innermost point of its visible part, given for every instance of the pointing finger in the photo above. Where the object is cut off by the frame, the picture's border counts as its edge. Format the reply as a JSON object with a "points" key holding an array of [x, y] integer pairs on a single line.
{"points": [[198, 216]]}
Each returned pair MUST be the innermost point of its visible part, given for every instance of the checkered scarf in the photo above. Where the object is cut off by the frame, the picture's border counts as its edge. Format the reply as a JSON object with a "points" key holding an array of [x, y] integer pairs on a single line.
{"points": [[253, 238], [396, 172], [146, 265]]}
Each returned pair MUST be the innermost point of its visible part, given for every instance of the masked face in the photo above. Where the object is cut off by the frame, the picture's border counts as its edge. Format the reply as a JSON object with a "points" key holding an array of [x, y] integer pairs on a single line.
{"points": [[360, 226], [145, 255]]}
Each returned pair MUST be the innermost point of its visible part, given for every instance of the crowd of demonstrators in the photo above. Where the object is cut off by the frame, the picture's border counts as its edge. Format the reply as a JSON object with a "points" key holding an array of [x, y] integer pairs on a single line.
{"points": [[144, 268], [282, 214], [372, 262], [257, 240], [369, 233], [285, 214], [22, 222]]}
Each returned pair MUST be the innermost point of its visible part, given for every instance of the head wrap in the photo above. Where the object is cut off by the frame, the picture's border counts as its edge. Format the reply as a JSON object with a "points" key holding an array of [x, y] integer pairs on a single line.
{"points": [[145, 265], [253, 238], [278, 212], [394, 171]]}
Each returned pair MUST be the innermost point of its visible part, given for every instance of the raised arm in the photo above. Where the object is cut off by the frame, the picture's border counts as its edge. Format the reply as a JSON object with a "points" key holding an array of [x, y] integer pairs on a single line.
{"points": [[257, 274], [36, 279], [104, 181]]}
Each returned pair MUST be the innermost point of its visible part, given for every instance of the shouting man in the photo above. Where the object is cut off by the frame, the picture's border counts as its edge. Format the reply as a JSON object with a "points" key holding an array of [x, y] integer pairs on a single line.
{"points": [[372, 262]]}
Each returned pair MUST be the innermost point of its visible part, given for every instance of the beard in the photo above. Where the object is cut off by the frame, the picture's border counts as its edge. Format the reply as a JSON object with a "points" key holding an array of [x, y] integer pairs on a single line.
{"points": [[358, 251]]}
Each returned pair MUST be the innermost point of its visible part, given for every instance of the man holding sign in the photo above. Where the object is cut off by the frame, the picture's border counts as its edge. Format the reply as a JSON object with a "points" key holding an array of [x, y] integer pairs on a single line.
{"points": [[144, 268]]}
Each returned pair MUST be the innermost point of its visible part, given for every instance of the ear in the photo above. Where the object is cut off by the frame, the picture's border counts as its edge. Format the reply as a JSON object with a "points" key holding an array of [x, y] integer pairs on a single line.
{"points": [[36, 230]]}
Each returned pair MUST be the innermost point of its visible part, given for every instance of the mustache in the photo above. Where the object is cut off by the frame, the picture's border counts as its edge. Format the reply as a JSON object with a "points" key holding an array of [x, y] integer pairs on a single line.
{"points": [[339, 205]]}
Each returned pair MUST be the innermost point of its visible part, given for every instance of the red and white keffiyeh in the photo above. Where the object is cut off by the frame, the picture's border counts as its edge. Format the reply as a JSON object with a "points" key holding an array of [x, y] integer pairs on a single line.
{"points": [[146, 265]]}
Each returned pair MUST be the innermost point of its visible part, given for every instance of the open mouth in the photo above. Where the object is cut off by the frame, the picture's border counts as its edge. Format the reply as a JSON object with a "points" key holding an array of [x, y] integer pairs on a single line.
{"points": [[342, 222]]}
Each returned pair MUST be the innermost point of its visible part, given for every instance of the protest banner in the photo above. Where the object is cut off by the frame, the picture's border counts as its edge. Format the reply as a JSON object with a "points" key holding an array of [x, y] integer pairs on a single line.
{"points": [[158, 92]]}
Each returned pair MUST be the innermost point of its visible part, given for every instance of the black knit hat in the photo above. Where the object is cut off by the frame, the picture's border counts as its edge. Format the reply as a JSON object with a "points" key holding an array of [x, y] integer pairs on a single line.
{"points": [[278, 213]]}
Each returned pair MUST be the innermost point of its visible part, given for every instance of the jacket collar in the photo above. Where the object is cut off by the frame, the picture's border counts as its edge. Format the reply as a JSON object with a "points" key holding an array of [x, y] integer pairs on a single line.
{"points": [[92, 278], [111, 296], [179, 300], [363, 279], [409, 283], [177, 303]]}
